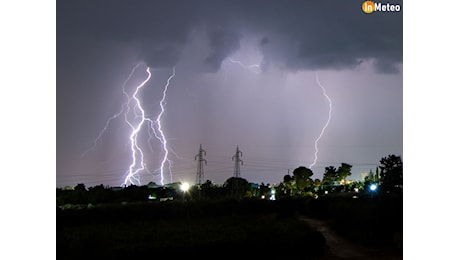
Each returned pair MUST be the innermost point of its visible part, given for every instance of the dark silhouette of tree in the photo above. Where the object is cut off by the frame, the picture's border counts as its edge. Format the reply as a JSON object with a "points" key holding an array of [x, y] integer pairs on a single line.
{"points": [[136, 193], [284, 188], [330, 176], [236, 187], [391, 173], [208, 185], [369, 180], [371, 177], [344, 171], [207, 190], [317, 184], [287, 178], [264, 190], [100, 194], [302, 178], [76, 196], [80, 187]]}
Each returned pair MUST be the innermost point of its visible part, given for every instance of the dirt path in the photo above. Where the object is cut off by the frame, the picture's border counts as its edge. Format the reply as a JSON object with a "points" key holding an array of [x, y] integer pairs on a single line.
{"points": [[342, 248]]}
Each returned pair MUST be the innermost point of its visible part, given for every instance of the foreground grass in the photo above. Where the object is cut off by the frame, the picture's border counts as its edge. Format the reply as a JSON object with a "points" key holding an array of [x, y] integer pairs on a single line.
{"points": [[195, 228]]}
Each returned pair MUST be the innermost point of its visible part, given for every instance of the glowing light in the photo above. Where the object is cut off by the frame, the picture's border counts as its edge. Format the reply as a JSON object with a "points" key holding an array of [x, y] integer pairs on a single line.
{"points": [[373, 187], [327, 122], [185, 187], [272, 194]]}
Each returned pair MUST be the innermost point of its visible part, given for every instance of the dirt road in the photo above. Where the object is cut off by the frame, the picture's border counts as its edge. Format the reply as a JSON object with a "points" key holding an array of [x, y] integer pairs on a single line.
{"points": [[342, 248]]}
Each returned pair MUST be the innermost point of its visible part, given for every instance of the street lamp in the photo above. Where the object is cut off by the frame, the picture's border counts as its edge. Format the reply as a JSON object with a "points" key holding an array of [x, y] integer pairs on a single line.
{"points": [[184, 187], [373, 187]]}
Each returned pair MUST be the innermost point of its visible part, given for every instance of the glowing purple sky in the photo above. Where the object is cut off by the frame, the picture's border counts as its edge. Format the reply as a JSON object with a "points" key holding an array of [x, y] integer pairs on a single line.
{"points": [[273, 114]]}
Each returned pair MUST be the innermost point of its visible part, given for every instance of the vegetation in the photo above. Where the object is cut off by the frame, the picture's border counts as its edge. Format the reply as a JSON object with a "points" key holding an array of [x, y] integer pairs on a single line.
{"points": [[205, 228], [233, 219]]}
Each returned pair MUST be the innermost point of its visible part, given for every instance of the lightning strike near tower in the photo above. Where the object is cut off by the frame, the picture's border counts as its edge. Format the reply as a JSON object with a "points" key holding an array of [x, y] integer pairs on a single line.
{"points": [[327, 122]]}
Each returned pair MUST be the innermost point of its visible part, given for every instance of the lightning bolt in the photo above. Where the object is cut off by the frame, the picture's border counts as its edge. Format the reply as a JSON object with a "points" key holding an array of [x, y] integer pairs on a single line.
{"points": [[161, 137], [124, 108], [328, 119], [134, 105], [248, 67], [137, 164]]}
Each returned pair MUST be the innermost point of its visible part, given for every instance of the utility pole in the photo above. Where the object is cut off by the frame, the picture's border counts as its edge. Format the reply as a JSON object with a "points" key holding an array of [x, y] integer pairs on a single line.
{"points": [[236, 191], [200, 170], [237, 159]]}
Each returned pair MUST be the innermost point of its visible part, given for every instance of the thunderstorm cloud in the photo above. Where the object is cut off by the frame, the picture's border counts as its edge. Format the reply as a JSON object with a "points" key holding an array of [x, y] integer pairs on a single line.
{"points": [[293, 34]]}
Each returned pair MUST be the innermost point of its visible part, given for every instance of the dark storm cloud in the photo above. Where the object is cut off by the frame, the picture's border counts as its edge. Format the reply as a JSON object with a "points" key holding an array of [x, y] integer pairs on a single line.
{"points": [[295, 35], [222, 43]]}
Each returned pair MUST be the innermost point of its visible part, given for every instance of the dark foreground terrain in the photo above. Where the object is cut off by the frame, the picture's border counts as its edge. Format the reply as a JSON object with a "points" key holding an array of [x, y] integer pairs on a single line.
{"points": [[248, 228]]}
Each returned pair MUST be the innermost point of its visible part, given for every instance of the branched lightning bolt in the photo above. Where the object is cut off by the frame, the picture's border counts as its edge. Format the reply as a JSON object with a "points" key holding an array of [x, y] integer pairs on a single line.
{"points": [[136, 124], [161, 136], [124, 108], [137, 164], [327, 123]]}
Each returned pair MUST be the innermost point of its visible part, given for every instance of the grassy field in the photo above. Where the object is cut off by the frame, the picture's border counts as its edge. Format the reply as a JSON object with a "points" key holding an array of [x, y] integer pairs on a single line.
{"points": [[208, 229]]}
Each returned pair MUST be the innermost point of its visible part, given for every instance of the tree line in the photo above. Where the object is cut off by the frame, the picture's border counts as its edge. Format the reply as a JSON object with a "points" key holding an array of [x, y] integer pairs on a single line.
{"points": [[387, 177]]}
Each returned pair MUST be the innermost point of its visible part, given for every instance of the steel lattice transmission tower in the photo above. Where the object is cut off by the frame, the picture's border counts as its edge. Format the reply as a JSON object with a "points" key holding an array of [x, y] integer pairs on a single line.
{"points": [[237, 159], [200, 170]]}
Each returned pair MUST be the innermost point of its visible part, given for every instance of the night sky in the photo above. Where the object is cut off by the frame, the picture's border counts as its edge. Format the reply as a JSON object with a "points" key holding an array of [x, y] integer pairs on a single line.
{"points": [[273, 112]]}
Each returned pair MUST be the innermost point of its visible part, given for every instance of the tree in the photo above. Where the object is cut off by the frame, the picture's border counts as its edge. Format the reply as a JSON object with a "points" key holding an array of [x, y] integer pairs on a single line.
{"points": [[236, 187], [302, 177], [330, 176], [99, 194], [391, 173], [80, 187], [264, 190], [284, 189], [344, 171], [287, 178], [135, 193], [77, 196], [370, 176], [317, 184]]}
